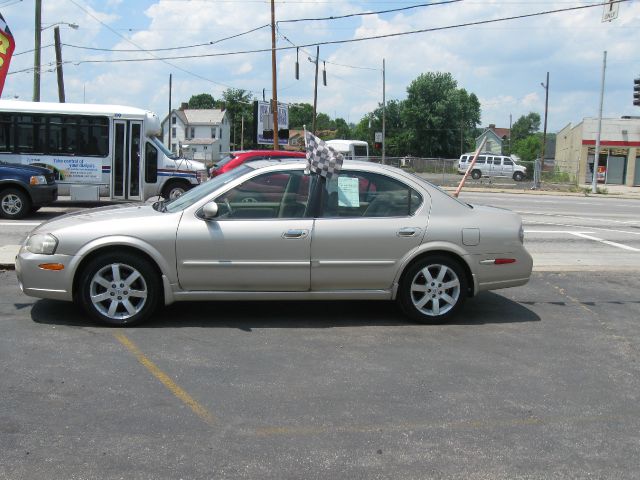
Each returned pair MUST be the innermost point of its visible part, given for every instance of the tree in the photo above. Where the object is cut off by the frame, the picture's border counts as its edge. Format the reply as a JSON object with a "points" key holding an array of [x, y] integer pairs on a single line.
{"points": [[528, 148], [524, 127], [239, 104], [201, 101], [435, 113], [342, 129], [300, 114]]}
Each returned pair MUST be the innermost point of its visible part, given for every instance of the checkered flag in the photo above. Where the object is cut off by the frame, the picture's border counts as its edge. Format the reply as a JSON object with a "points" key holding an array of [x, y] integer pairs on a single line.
{"points": [[321, 158]]}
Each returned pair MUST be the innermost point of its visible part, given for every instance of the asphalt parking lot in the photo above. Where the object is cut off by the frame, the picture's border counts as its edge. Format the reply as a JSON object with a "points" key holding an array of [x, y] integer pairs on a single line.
{"points": [[540, 381]]}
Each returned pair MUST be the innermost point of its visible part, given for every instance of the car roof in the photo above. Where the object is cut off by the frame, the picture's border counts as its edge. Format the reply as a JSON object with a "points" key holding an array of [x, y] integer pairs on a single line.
{"points": [[270, 153]]}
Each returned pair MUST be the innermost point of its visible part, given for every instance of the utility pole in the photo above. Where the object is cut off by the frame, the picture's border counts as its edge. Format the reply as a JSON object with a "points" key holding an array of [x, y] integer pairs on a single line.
{"points": [[384, 110], [315, 92], [274, 82], [242, 134], [544, 131], [596, 156], [169, 117], [36, 52], [56, 36]]}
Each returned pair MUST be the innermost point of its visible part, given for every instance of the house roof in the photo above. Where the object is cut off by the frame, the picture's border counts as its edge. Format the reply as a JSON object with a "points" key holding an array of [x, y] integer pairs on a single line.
{"points": [[212, 116], [500, 133]]}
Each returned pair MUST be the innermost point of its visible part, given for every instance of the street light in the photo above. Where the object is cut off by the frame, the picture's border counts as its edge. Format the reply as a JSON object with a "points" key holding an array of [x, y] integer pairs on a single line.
{"points": [[36, 53], [74, 26]]}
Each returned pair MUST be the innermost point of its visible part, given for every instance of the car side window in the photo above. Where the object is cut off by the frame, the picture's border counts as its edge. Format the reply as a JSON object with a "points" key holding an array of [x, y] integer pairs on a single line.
{"points": [[497, 161], [365, 194], [481, 159], [281, 194], [507, 162]]}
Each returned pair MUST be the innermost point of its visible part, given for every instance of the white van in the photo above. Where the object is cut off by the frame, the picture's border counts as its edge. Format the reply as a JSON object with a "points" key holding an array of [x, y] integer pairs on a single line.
{"points": [[490, 165], [351, 149]]}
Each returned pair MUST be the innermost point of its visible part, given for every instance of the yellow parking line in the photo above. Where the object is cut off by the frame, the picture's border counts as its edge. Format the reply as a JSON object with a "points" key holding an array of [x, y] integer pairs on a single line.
{"points": [[198, 409]]}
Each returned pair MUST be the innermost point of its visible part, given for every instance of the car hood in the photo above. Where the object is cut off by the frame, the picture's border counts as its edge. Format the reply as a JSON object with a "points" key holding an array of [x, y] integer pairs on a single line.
{"points": [[25, 168], [119, 214]]}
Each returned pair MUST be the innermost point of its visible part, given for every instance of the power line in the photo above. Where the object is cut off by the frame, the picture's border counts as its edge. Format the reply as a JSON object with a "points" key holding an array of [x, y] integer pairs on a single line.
{"points": [[32, 50], [337, 17], [352, 40], [213, 42]]}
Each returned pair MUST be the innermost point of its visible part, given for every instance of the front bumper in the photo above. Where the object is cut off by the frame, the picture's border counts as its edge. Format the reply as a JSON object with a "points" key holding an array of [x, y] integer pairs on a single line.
{"points": [[36, 282], [43, 194]]}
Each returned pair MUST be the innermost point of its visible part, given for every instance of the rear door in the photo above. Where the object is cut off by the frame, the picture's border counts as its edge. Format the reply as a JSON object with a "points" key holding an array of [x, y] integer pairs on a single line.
{"points": [[507, 167], [367, 223]]}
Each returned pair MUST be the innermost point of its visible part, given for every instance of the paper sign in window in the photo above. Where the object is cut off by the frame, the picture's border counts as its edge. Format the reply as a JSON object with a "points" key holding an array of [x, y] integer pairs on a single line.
{"points": [[348, 192]]}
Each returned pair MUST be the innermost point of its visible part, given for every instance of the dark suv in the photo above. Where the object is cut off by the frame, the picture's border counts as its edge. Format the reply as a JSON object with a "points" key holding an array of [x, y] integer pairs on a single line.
{"points": [[24, 189]]}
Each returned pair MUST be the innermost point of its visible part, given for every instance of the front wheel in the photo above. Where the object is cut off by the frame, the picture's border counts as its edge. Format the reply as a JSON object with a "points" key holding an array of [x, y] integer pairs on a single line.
{"points": [[119, 289], [476, 174], [518, 176], [433, 289], [14, 204], [174, 189]]}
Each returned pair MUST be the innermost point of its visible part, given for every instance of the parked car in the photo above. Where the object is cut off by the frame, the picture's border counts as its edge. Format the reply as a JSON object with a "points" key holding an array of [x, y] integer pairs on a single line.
{"points": [[372, 232], [235, 159], [490, 165], [24, 189]]}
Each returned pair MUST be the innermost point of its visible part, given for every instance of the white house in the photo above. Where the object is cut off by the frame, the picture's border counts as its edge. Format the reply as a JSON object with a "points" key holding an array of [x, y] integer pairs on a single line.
{"points": [[198, 134]]}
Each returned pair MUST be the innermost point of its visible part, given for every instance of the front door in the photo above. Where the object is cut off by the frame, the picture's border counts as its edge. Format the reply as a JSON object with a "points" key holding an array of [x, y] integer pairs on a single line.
{"points": [[260, 240], [368, 223], [126, 161]]}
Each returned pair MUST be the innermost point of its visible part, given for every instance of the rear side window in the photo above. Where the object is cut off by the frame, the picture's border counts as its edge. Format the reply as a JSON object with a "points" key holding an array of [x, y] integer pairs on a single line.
{"points": [[481, 159], [365, 194], [497, 161]]}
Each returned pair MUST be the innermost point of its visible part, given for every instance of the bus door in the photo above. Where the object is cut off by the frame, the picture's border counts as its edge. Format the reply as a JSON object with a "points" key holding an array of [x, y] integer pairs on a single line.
{"points": [[126, 165]]}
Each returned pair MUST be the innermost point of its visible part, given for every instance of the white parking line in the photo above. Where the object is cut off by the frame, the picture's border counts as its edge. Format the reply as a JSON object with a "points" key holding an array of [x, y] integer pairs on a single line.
{"points": [[552, 231], [575, 217], [613, 244], [582, 226]]}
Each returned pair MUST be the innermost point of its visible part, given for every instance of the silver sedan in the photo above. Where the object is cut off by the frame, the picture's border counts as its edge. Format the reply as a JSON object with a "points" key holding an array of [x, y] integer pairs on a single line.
{"points": [[268, 231]]}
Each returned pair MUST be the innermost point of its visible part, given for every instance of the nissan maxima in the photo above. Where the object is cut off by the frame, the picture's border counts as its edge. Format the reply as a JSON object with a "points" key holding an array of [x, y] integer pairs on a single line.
{"points": [[269, 231]]}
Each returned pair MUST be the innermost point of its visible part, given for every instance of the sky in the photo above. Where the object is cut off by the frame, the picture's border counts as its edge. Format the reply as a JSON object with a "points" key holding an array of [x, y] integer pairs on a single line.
{"points": [[504, 63]]}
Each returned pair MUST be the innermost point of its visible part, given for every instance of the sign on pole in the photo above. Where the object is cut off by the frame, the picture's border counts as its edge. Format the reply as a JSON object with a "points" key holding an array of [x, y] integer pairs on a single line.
{"points": [[263, 120], [378, 137], [610, 10]]}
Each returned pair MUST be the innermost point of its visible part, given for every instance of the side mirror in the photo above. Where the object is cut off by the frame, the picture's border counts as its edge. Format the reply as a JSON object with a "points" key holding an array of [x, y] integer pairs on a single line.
{"points": [[210, 210]]}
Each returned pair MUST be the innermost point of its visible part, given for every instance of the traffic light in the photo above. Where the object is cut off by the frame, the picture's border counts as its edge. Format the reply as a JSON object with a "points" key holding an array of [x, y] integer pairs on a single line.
{"points": [[636, 92]]}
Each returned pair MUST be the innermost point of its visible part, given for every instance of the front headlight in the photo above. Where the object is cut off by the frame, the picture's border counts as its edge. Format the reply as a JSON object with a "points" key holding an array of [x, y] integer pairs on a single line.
{"points": [[38, 180], [42, 243]]}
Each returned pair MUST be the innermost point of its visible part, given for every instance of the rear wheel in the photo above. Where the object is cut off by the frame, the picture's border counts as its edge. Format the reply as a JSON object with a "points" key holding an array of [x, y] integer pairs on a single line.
{"points": [[14, 203], [119, 289], [476, 174], [433, 289]]}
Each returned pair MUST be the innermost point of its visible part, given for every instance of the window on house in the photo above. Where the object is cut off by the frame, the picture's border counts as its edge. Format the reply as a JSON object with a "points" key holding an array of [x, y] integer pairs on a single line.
{"points": [[213, 132], [193, 133], [173, 132], [173, 120]]}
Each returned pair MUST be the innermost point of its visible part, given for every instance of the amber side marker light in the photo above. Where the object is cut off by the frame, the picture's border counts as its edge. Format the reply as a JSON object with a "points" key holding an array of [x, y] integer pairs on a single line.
{"points": [[51, 266]]}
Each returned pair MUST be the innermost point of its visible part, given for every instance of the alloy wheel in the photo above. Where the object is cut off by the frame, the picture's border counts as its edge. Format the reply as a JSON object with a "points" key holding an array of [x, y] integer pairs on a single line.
{"points": [[11, 204], [118, 291], [435, 290]]}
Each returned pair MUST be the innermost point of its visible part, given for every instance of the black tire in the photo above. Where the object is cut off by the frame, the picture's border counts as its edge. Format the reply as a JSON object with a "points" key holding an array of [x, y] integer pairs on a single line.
{"points": [[415, 288], [14, 204], [518, 176], [476, 174], [174, 188], [101, 268], [34, 209]]}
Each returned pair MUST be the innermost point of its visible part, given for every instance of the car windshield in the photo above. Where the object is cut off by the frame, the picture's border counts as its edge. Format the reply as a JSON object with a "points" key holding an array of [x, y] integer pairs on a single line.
{"points": [[163, 149], [225, 160], [198, 193]]}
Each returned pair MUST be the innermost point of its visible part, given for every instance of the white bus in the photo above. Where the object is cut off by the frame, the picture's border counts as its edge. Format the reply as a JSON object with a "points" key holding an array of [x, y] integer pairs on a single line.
{"points": [[96, 150], [351, 149]]}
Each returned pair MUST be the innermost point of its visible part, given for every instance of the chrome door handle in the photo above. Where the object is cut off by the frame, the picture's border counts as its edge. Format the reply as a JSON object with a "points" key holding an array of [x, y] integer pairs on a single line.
{"points": [[408, 232], [295, 233]]}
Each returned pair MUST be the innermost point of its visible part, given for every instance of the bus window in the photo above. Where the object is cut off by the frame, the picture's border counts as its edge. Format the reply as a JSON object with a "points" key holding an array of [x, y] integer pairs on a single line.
{"points": [[151, 164], [360, 151], [134, 161], [6, 132]]}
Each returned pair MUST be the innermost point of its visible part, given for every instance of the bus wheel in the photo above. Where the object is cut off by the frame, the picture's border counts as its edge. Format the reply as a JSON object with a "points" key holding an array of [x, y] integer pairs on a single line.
{"points": [[14, 203], [175, 188]]}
